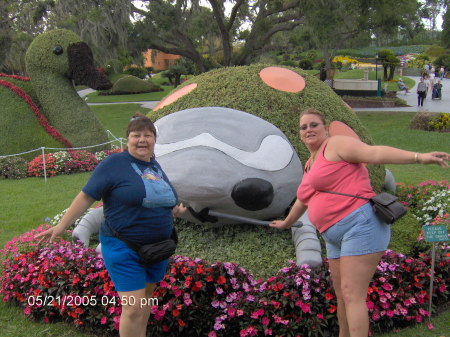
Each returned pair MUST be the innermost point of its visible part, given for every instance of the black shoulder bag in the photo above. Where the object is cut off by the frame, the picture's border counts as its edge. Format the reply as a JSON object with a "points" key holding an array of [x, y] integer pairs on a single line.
{"points": [[153, 252], [385, 206]]}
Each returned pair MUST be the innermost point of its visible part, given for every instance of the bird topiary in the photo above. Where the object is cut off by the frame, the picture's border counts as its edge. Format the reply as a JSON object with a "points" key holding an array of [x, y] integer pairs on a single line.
{"points": [[45, 109]]}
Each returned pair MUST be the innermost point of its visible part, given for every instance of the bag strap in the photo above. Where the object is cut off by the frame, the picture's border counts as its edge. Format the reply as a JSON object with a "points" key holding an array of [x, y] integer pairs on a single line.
{"points": [[130, 244], [345, 194], [134, 245]]}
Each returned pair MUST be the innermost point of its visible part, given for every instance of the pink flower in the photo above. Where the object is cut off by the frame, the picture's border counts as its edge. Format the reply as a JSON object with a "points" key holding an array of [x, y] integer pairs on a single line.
{"points": [[103, 320], [257, 313]]}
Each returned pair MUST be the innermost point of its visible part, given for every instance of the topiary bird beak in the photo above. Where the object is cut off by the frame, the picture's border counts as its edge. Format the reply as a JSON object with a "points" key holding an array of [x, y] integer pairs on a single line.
{"points": [[82, 69]]}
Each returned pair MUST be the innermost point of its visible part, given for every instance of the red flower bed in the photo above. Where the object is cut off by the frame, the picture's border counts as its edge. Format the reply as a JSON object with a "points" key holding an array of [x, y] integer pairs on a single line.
{"points": [[68, 281]]}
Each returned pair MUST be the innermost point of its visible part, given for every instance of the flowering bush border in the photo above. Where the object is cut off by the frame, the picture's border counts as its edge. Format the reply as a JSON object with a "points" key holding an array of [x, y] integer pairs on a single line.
{"points": [[66, 162], [68, 281]]}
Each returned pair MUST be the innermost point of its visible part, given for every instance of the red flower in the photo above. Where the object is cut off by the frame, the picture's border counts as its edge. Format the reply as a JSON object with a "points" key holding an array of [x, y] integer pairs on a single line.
{"points": [[332, 309], [221, 280], [329, 296], [181, 323], [197, 286]]}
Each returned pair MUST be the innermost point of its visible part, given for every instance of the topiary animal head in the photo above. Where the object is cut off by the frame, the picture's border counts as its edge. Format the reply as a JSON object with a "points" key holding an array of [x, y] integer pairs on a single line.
{"points": [[60, 52]]}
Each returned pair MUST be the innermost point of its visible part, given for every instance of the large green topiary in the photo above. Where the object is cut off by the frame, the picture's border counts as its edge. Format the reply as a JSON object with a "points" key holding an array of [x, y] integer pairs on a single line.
{"points": [[51, 114], [241, 88], [261, 250]]}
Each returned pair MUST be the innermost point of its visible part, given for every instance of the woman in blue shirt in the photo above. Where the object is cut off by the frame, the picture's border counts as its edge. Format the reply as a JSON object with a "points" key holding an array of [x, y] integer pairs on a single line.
{"points": [[139, 204]]}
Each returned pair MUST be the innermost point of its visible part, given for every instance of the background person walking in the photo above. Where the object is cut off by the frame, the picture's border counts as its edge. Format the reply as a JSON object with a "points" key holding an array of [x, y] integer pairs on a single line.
{"points": [[421, 92]]}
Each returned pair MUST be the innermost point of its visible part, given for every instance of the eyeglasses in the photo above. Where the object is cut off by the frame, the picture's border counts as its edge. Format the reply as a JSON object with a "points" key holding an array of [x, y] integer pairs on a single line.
{"points": [[312, 125]]}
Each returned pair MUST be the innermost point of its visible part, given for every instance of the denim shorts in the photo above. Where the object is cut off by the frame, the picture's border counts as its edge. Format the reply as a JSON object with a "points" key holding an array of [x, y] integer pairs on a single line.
{"points": [[359, 233], [124, 268]]}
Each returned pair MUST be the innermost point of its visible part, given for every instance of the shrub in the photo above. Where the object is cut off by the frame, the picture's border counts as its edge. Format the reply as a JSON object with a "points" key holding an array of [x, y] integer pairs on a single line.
{"points": [[290, 63], [404, 236], [195, 293], [60, 281], [13, 168], [443, 60], [62, 163], [422, 119], [306, 64], [132, 85], [138, 72], [441, 123]]}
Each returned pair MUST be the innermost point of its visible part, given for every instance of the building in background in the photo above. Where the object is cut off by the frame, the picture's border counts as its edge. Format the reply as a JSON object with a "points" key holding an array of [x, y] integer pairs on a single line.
{"points": [[159, 60]]}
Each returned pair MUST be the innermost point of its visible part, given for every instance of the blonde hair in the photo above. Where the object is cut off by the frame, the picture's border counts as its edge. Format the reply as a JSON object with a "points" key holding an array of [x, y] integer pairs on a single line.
{"points": [[312, 111]]}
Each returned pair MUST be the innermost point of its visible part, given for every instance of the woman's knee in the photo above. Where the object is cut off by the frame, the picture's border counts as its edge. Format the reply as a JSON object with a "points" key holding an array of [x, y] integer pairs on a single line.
{"points": [[133, 312]]}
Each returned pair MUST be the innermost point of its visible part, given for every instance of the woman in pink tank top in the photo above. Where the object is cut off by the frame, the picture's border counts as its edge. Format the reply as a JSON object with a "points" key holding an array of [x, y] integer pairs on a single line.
{"points": [[355, 238]]}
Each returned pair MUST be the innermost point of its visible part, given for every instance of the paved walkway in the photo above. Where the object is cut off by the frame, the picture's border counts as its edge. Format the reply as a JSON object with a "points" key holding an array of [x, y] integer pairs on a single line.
{"points": [[144, 104], [435, 105]]}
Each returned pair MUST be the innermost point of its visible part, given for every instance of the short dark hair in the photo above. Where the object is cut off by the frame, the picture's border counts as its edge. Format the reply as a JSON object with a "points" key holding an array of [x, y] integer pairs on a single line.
{"points": [[139, 122]]}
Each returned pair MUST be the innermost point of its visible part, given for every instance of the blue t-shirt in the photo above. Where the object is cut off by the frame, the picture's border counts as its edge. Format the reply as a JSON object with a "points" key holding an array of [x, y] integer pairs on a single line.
{"points": [[122, 189]]}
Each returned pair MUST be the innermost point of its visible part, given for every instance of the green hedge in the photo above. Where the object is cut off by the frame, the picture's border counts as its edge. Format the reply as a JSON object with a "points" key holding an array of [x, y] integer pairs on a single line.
{"points": [[133, 85]]}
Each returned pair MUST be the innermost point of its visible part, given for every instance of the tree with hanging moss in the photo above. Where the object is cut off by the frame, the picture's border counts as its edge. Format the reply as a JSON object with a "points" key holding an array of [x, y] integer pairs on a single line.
{"points": [[445, 36]]}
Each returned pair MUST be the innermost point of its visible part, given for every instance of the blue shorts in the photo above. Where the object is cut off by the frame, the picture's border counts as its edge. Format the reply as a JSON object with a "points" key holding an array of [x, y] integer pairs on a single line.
{"points": [[124, 268], [359, 233]]}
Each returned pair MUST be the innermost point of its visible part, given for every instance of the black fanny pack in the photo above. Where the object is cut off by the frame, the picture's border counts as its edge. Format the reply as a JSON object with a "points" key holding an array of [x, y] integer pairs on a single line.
{"points": [[384, 205], [153, 252]]}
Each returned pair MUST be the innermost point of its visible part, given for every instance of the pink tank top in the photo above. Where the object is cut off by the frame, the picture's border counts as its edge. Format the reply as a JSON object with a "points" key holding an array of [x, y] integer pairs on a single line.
{"points": [[325, 209]]}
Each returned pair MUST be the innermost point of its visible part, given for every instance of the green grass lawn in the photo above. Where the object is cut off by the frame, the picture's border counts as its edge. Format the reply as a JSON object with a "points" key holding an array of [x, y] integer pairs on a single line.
{"points": [[391, 128], [115, 117], [359, 74], [27, 202]]}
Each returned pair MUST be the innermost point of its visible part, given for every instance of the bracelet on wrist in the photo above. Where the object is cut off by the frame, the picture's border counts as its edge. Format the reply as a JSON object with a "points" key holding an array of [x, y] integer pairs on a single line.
{"points": [[416, 158]]}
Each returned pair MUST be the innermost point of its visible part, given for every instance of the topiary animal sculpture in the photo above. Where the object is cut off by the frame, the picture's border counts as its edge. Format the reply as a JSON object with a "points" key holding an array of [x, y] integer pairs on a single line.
{"points": [[50, 112], [275, 94]]}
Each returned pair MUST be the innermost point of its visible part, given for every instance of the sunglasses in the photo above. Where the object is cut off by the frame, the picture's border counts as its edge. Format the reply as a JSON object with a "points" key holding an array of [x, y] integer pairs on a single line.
{"points": [[312, 125]]}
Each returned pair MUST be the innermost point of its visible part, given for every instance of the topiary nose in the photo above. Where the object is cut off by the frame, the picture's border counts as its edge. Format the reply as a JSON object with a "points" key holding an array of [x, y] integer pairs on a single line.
{"points": [[253, 194]]}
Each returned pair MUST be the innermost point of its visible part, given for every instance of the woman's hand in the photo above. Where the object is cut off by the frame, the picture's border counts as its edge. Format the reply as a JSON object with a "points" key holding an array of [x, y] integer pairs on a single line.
{"points": [[439, 158], [51, 234], [280, 224], [178, 210]]}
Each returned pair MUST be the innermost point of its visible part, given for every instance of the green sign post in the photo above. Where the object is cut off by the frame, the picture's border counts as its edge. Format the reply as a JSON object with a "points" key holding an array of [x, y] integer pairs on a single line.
{"points": [[434, 234]]}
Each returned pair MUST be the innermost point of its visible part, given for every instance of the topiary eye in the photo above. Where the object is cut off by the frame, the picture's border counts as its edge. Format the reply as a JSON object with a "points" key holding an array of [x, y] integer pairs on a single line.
{"points": [[58, 50]]}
